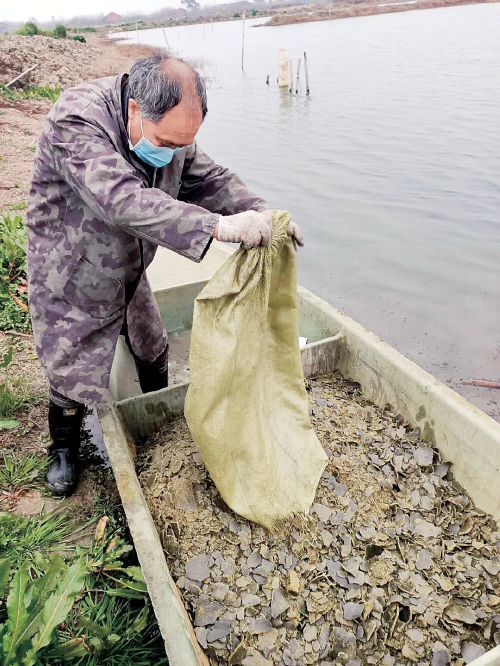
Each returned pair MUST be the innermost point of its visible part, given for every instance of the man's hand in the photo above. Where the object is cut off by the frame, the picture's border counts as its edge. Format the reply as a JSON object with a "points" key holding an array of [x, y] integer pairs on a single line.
{"points": [[293, 230], [250, 228], [296, 234]]}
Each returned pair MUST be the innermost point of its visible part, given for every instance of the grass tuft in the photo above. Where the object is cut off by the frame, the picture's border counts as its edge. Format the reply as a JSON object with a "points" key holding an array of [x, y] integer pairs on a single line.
{"points": [[22, 538], [121, 634], [18, 472], [10, 96], [13, 288]]}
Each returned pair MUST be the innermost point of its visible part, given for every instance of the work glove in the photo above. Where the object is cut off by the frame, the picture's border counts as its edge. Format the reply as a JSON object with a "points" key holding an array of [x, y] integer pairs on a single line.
{"points": [[296, 234], [250, 228], [293, 230]]}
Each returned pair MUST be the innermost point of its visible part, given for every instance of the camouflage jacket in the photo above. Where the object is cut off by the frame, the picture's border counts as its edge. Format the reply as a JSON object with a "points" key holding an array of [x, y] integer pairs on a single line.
{"points": [[95, 219]]}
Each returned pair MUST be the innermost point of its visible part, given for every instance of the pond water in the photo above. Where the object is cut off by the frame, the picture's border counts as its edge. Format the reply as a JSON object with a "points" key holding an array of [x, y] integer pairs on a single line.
{"points": [[391, 166]]}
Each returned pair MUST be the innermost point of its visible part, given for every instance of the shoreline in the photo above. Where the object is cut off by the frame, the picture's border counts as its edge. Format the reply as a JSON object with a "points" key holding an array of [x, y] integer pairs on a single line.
{"points": [[115, 56], [327, 12], [304, 13]]}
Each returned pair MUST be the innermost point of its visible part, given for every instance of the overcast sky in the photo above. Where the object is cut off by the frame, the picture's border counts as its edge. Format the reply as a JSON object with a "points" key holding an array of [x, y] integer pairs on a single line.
{"points": [[20, 10]]}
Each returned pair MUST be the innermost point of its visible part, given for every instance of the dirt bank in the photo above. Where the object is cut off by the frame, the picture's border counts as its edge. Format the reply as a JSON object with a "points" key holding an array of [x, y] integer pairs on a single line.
{"points": [[62, 63], [327, 12]]}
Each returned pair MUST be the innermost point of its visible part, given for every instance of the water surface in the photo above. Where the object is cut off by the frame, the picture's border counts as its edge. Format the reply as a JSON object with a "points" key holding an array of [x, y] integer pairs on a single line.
{"points": [[391, 166]]}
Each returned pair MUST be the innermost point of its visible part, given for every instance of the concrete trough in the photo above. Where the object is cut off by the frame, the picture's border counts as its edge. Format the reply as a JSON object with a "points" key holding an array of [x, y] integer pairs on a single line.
{"points": [[465, 435]]}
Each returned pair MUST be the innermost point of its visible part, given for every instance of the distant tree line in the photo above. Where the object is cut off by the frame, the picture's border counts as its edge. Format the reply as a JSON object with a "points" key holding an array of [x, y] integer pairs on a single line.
{"points": [[30, 28], [87, 22]]}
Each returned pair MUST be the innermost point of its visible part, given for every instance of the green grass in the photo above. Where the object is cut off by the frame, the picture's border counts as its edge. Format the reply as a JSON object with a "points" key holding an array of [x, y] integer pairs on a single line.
{"points": [[15, 395], [20, 205], [22, 538], [12, 317], [111, 622], [17, 472], [13, 298], [11, 96], [23, 395], [30, 29], [15, 392], [82, 29], [119, 631]]}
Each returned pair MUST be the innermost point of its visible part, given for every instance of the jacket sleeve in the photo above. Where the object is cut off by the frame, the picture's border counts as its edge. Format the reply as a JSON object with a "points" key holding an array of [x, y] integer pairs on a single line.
{"points": [[87, 160], [213, 187]]}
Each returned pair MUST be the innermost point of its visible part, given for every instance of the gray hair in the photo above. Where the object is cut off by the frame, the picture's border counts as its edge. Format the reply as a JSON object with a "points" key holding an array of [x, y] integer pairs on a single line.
{"points": [[157, 83]]}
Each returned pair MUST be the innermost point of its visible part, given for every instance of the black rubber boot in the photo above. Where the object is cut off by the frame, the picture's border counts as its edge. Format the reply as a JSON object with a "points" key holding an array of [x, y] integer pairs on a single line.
{"points": [[65, 422], [153, 376]]}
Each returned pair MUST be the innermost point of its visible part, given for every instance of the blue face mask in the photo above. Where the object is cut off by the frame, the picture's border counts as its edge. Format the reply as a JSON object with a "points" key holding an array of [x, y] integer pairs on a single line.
{"points": [[155, 156]]}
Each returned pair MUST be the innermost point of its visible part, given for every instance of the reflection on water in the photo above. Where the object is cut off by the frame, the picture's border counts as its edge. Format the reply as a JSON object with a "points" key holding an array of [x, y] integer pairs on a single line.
{"points": [[391, 166]]}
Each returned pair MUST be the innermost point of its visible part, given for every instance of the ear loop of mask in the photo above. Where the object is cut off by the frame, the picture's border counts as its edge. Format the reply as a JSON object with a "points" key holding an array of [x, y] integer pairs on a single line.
{"points": [[129, 124]]}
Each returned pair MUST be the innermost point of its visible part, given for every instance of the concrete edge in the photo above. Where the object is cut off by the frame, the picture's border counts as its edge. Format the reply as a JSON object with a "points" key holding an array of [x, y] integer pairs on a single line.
{"points": [[145, 414], [490, 658], [464, 434], [142, 415], [180, 641]]}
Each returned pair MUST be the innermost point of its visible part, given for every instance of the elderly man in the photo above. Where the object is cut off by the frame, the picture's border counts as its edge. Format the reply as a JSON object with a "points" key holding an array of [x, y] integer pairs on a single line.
{"points": [[117, 173]]}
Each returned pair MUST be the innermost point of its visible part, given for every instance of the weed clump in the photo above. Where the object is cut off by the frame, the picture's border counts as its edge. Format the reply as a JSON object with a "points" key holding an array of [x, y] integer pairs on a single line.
{"points": [[13, 280]]}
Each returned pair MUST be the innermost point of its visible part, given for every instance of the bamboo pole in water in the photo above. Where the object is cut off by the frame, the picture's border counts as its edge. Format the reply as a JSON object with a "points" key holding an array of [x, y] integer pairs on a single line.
{"points": [[165, 35], [298, 79], [306, 69], [243, 42], [290, 74]]}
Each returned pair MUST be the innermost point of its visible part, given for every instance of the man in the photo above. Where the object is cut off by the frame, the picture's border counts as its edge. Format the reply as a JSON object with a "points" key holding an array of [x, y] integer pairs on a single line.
{"points": [[117, 172]]}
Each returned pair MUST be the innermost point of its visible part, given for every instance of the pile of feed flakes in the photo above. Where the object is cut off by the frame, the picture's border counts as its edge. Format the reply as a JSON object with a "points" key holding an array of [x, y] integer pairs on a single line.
{"points": [[394, 565]]}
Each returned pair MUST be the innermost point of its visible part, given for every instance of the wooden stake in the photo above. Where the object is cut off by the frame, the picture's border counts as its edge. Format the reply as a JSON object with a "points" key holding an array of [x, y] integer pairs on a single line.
{"points": [[290, 74], [267, 80], [165, 35], [306, 69], [20, 76], [298, 79], [242, 40]]}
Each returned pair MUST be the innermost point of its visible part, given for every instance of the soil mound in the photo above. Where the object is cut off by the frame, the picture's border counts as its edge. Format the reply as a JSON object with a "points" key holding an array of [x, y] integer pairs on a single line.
{"points": [[59, 62]]}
